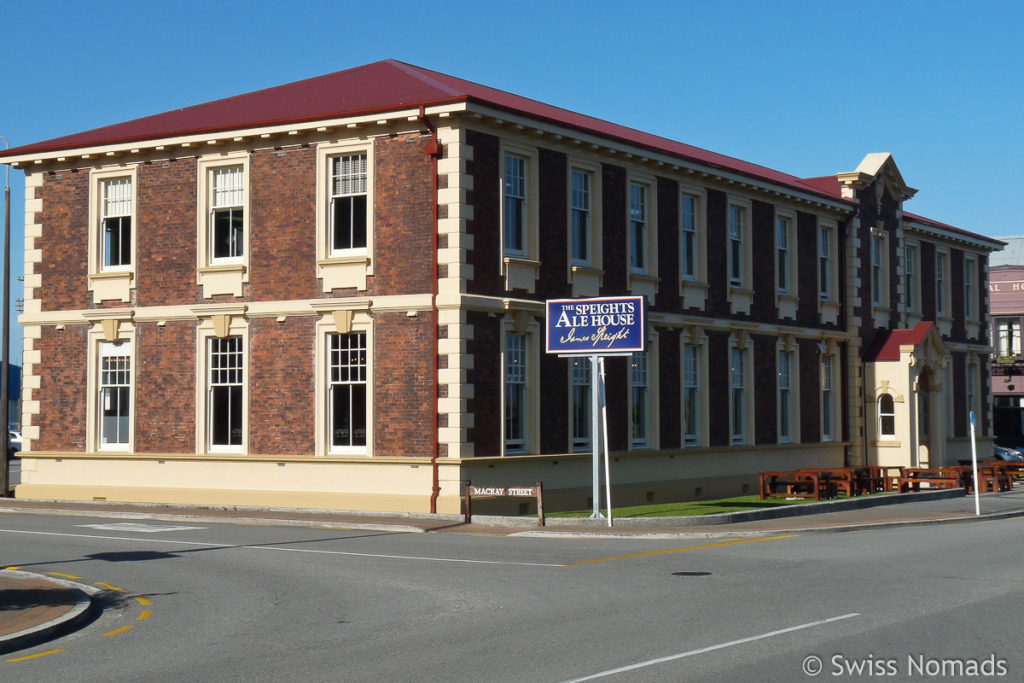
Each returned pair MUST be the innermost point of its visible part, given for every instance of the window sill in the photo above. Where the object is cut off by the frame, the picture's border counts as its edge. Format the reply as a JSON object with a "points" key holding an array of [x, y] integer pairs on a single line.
{"points": [[222, 279], [344, 272], [886, 443], [585, 281], [111, 285], [521, 273]]}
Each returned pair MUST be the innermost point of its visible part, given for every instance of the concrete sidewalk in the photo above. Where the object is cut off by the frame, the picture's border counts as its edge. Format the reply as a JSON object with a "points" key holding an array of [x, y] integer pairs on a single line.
{"points": [[35, 608]]}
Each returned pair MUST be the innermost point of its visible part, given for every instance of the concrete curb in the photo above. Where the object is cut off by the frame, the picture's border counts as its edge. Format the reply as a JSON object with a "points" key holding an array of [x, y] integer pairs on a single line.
{"points": [[68, 622], [857, 503]]}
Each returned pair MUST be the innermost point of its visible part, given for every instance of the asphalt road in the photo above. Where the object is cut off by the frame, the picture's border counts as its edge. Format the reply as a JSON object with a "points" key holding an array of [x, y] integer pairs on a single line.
{"points": [[210, 602]]}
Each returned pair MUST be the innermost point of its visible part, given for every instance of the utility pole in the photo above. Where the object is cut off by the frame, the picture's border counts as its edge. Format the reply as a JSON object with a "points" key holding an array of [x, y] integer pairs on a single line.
{"points": [[5, 376]]}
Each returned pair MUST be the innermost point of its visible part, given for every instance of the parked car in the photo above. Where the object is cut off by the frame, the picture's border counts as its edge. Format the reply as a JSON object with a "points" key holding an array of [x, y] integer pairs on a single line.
{"points": [[1007, 454], [13, 441]]}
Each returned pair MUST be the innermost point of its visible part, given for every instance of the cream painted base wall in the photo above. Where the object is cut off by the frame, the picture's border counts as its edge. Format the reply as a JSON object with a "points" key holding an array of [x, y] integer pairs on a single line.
{"points": [[403, 485]]}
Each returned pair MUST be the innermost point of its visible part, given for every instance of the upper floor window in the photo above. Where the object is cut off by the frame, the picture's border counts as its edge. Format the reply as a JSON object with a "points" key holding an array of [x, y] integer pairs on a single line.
{"points": [[877, 270], [910, 276], [940, 284], [825, 263], [515, 205], [688, 236], [1008, 337], [581, 217], [638, 256], [970, 295], [348, 203], [737, 220], [783, 226], [227, 214], [116, 222]]}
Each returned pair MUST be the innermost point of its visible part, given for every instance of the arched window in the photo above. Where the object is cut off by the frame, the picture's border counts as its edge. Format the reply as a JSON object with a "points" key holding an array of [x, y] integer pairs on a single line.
{"points": [[886, 417]]}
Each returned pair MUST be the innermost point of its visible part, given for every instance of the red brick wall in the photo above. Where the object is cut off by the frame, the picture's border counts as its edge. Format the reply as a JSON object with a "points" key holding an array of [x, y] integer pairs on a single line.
{"points": [[403, 241], [281, 386], [62, 389], [283, 224], [405, 412], [165, 388], [65, 241], [166, 234]]}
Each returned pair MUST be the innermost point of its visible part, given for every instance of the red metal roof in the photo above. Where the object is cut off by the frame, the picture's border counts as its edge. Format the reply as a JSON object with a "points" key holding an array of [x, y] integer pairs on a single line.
{"points": [[887, 345], [382, 86]]}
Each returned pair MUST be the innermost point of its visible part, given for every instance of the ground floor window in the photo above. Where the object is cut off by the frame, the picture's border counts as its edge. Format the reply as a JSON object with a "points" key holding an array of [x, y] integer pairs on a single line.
{"points": [[738, 386], [226, 381], [691, 394], [115, 378], [785, 396], [581, 403], [886, 417], [347, 390], [828, 413], [516, 398], [639, 386]]}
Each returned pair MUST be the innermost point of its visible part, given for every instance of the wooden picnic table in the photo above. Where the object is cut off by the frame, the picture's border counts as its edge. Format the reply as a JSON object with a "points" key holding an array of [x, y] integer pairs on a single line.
{"points": [[934, 477], [844, 478], [796, 485]]}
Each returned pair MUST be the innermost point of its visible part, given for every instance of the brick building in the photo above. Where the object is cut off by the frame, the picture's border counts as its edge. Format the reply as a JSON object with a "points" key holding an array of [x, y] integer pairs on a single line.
{"points": [[330, 294]]}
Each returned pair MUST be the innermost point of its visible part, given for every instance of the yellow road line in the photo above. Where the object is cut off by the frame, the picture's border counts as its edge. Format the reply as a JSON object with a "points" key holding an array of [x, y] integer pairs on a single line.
{"points": [[146, 614], [142, 601], [117, 631], [677, 550], [12, 567], [66, 576], [41, 654], [107, 585]]}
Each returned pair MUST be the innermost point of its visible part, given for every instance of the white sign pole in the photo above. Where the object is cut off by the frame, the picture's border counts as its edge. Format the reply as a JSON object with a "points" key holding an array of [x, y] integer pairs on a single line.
{"points": [[595, 412], [604, 426], [974, 458]]}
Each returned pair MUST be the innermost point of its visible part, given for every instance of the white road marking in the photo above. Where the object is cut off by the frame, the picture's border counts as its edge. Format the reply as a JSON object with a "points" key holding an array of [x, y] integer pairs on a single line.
{"points": [[418, 558], [711, 648], [137, 526]]}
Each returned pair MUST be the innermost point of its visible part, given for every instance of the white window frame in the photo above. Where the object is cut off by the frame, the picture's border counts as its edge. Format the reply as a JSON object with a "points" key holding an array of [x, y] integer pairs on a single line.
{"points": [[338, 361], [221, 376], [1007, 336], [235, 326], [581, 203], [639, 400], [739, 244], [829, 396], [698, 236], [224, 275], [886, 417], [516, 192], [970, 291], [942, 297], [693, 369], [879, 270], [785, 252], [343, 321], [580, 404], [97, 340], [740, 393], [785, 388], [120, 378], [116, 281], [639, 216], [911, 281], [342, 268], [529, 380], [333, 194], [125, 212]]}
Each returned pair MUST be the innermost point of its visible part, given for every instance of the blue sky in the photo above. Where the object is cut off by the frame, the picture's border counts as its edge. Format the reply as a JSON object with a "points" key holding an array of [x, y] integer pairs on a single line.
{"points": [[807, 88]]}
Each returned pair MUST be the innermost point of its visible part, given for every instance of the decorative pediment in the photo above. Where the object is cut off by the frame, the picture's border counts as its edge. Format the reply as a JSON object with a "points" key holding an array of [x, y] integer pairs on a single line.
{"points": [[877, 165]]}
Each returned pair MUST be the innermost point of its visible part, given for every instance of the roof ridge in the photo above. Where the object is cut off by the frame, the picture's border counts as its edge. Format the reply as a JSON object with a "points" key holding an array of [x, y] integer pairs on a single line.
{"points": [[422, 76]]}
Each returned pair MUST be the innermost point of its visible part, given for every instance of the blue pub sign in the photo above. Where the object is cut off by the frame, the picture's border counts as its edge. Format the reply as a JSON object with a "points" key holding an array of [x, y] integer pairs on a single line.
{"points": [[599, 326]]}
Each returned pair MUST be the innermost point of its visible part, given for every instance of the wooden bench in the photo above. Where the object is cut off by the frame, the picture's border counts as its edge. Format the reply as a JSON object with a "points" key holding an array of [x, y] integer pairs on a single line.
{"points": [[994, 476], [937, 478], [844, 478], [879, 478], [796, 485]]}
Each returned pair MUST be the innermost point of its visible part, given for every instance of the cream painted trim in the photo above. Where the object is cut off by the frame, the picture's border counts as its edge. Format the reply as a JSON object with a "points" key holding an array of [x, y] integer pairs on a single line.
{"points": [[407, 118], [348, 268], [115, 283], [360, 321], [694, 290], [741, 340], [740, 295], [238, 326], [96, 335], [835, 272], [521, 268], [695, 336], [787, 344], [650, 270]]}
